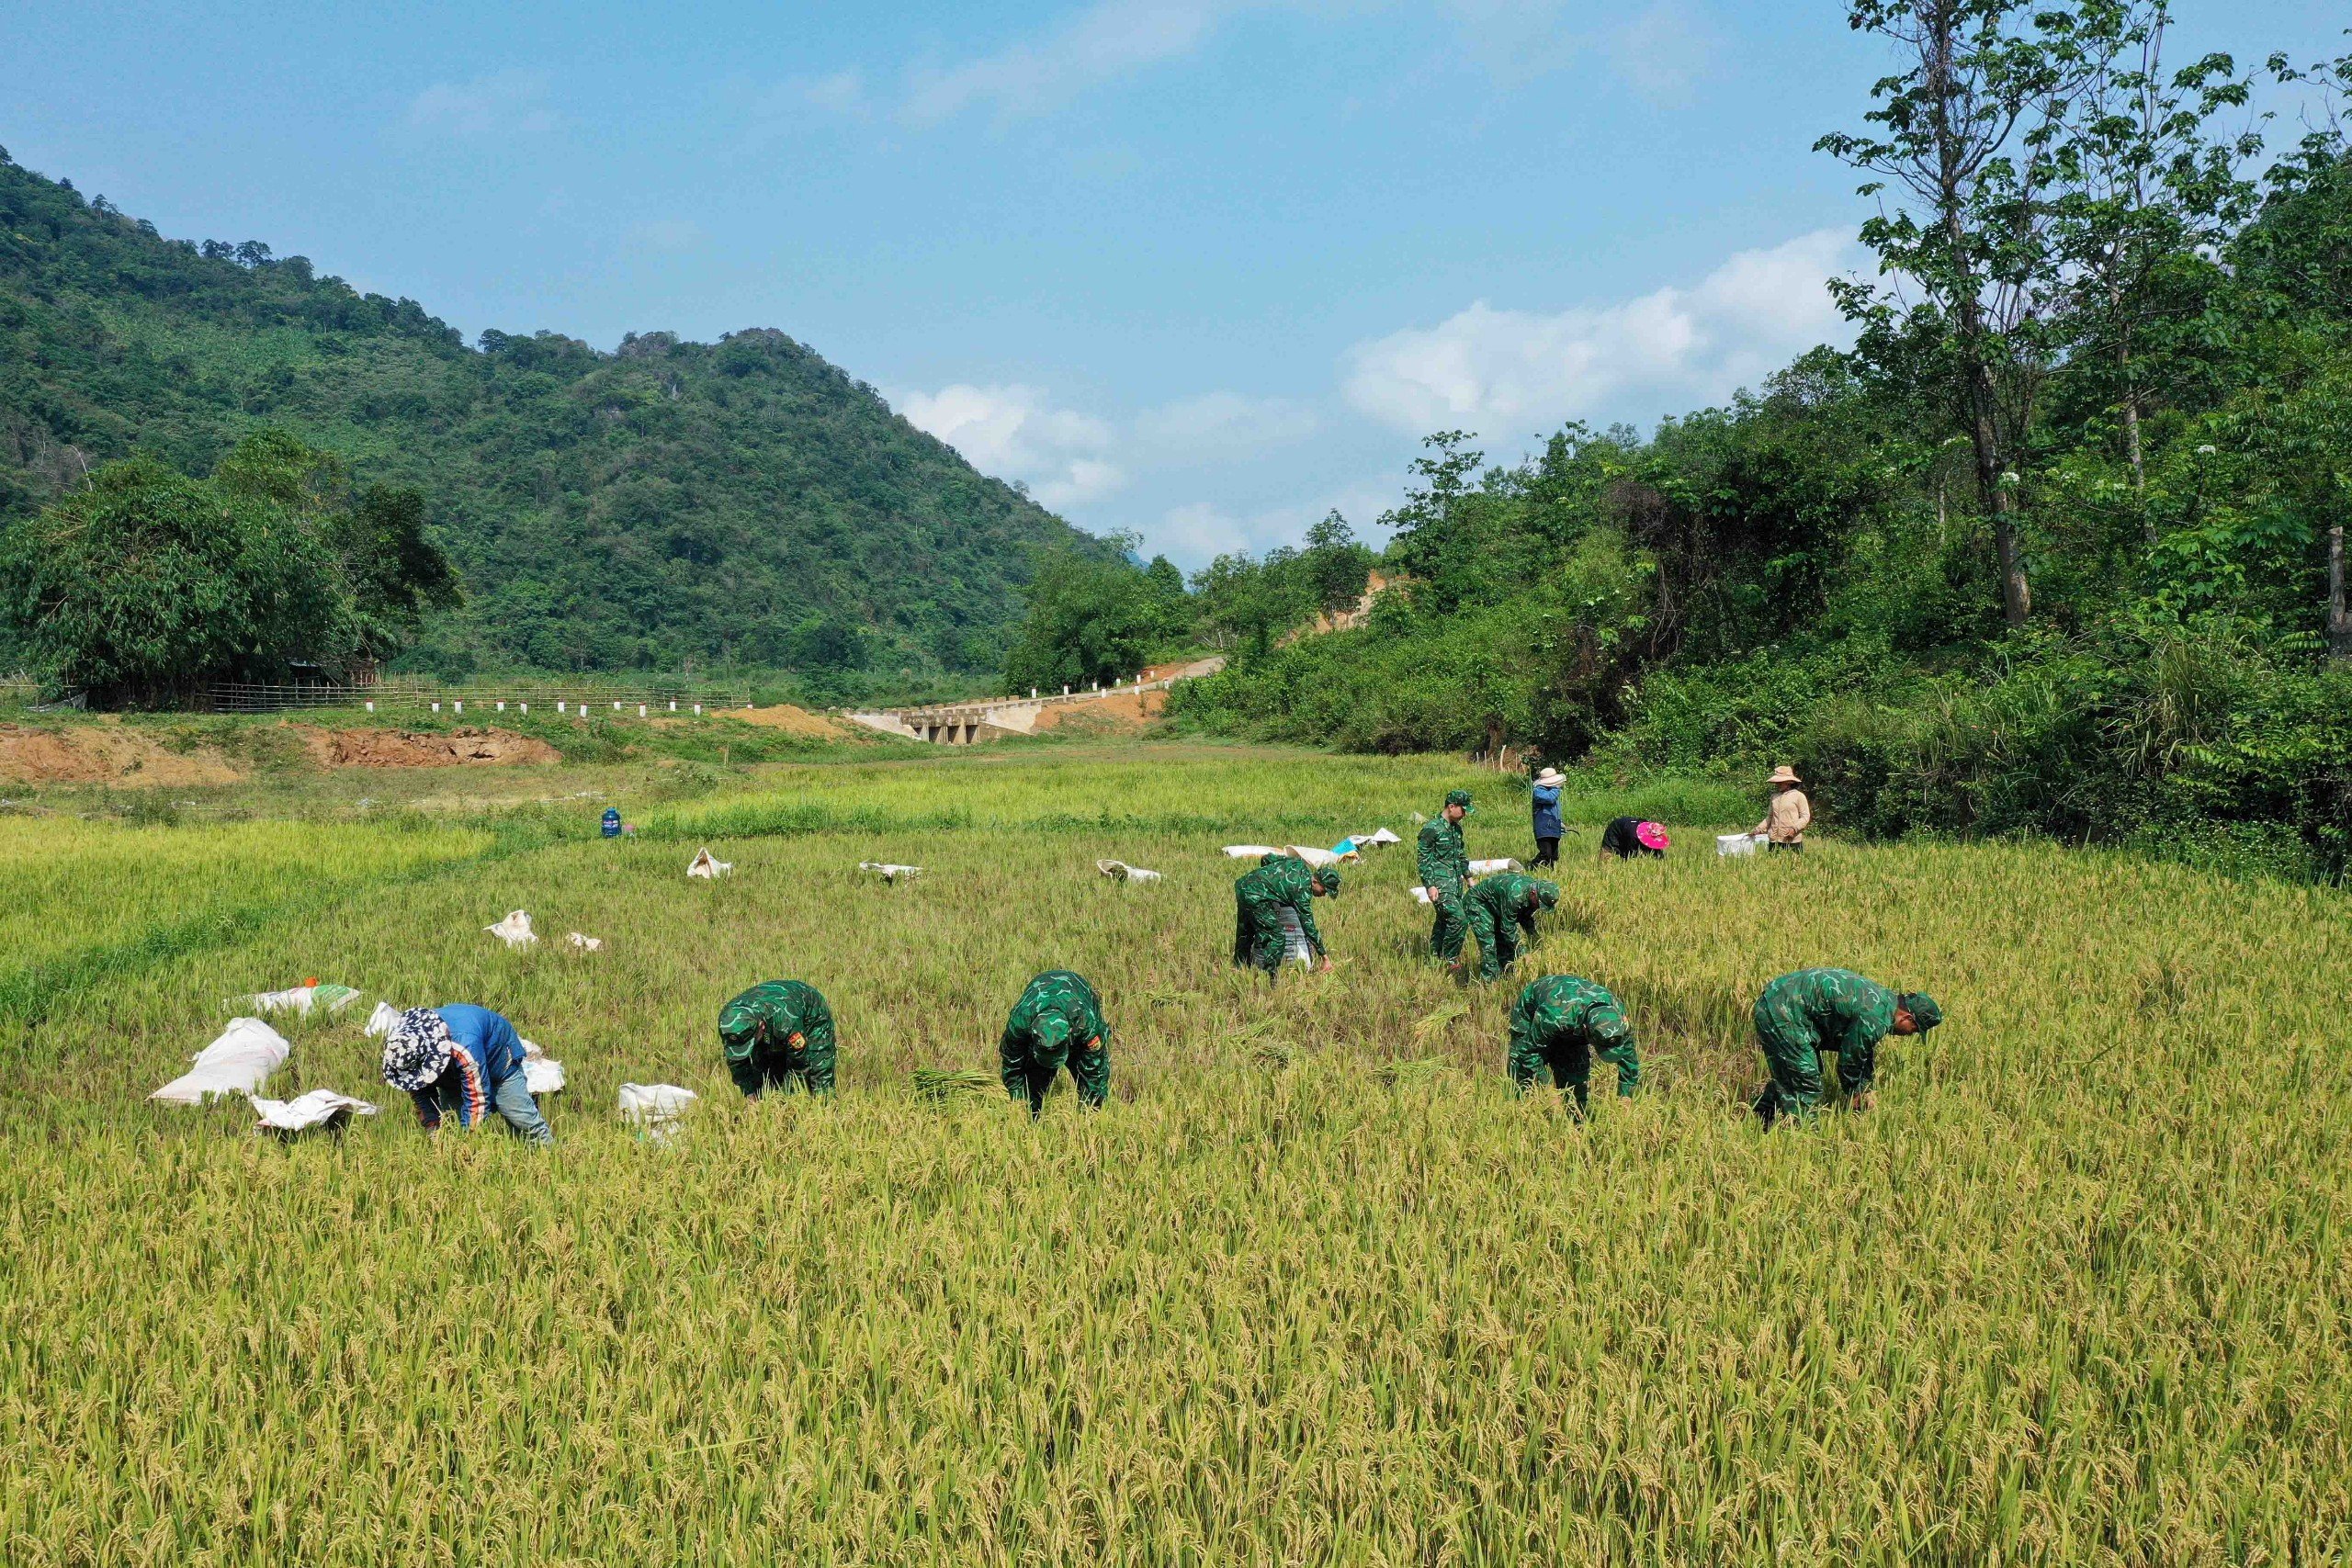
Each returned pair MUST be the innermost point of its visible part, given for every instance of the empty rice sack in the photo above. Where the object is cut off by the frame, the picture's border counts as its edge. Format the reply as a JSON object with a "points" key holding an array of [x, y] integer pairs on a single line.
{"points": [[586, 943], [1378, 838], [515, 931], [381, 1021], [542, 1074], [708, 866], [1120, 871], [300, 999], [320, 1107], [1490, 867], [890, 870], [1734, 844], [1250, 852], [239, 1062]]}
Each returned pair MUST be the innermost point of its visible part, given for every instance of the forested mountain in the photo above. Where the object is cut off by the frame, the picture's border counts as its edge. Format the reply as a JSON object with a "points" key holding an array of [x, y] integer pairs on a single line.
{"points": [[670, 504], [2058, 548]]}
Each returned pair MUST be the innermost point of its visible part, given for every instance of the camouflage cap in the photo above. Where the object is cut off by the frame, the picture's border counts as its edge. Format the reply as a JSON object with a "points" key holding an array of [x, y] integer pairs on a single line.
{"points": [[1608, 1023], [1547, 894], [738, 1027], [1922, 1009], [1329, 880], [1460, 797]]}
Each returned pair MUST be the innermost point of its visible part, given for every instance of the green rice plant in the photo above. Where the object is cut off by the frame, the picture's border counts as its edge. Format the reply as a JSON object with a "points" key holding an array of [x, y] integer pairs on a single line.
{"points": [[938, 1083]]}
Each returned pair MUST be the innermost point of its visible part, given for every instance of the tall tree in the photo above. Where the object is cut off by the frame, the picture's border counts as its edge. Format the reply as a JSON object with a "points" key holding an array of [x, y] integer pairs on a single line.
{"points": [[2146, 191], [1964, 143]]}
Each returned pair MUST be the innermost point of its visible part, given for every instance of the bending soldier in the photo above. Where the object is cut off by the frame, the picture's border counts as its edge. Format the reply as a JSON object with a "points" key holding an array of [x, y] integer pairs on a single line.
{"points": [[1801, 1015], [778, 1034], [1259, 896], [1501, 911], [1559, 1023], [1057, 1023]]}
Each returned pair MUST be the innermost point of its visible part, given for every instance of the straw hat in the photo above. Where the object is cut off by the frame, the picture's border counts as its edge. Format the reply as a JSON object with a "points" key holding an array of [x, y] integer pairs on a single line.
{"points": [[1551, 778], [1785, 775]]}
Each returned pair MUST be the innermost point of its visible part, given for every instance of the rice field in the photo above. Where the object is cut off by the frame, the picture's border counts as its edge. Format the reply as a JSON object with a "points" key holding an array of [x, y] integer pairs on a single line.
{"points": [[1313, 1289]]}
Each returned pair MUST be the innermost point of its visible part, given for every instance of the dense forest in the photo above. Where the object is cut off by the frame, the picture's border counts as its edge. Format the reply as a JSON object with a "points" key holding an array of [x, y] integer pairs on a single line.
{"points": [[2057, 548], [671, 505]]}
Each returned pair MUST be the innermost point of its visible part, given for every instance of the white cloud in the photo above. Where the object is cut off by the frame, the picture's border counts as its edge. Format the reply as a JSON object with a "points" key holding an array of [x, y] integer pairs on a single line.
{"points": [[1487, 369], [1664, 51], [1013, 432], [1225, 422], [666, 233], [1193, 534], [506, 103], [1106, 41], [1068, 458], [843, 92]]}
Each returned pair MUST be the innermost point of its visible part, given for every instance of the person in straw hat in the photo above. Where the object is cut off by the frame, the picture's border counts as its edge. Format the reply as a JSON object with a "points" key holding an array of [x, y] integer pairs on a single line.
{"points": [[1546, 796], [1789, 815]]}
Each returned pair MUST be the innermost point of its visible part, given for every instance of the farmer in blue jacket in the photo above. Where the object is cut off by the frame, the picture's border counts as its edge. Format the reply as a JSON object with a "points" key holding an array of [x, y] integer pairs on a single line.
{"points": [[1546, 795], [466, 1061]]}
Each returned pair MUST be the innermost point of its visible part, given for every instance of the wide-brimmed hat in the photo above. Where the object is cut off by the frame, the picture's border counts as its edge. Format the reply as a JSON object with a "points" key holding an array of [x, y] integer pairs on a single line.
{"points": [[416, 1049], [1550, 777], [1785, 775], [1652, 836]]}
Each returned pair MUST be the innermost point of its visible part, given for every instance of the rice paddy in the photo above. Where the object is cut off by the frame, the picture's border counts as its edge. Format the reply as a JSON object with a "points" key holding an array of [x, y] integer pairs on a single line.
{"points": [[1314, 1288]]}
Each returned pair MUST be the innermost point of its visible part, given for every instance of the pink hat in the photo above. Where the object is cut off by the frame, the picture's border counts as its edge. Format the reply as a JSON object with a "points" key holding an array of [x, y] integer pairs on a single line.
{"points": [[1651, 835]]}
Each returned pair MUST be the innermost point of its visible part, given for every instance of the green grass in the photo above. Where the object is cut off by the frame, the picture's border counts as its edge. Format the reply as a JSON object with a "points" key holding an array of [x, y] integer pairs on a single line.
{"points": [[1314, 1288]]}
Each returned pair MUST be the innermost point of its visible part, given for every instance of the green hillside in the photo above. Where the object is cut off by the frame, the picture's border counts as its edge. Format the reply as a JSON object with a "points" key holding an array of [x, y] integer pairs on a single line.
{"points": [[670, 504]]}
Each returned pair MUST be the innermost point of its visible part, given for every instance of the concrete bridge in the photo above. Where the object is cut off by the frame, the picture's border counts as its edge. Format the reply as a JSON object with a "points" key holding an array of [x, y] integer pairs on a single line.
{"points": [[963, 724]]}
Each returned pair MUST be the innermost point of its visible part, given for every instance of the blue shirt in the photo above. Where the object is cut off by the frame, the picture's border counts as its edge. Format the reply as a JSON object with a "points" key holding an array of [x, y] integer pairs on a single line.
{"points": [[487, 1051], [1547, 811]]}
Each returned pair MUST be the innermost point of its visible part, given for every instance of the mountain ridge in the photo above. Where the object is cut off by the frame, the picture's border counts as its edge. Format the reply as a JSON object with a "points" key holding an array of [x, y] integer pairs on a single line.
{"points": [[668, 503]]}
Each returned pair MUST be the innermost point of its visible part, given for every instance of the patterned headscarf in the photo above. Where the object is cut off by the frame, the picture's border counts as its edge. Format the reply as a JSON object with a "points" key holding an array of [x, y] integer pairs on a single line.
{"points": [[416, 1049]]}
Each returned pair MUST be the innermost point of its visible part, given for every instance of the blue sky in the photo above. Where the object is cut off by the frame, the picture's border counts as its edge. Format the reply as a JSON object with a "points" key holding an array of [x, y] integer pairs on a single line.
{"points": [[1197, 269]]}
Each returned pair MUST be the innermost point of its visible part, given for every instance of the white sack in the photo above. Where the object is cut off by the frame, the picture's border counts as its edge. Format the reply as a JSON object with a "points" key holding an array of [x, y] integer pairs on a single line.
{"points": [[1295, 948], [542, 1074], [515, 931], [1120, 871], [239, 1062], [300, 999], [1736, 843], [381, 1021], [1317, 858], [1377, 839], [320, 1107], [1420, 895], [586, 943], [655, 1107], [1250, 852], [708, 866], [1488, 867], [888, 872]]}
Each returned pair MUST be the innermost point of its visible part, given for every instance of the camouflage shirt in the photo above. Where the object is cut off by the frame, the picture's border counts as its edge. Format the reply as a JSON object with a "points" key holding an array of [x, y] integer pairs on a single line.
{"points": [[1284, 880], [1057, 1012], [1559, 1007], [786, 1006], [1439, 855]]}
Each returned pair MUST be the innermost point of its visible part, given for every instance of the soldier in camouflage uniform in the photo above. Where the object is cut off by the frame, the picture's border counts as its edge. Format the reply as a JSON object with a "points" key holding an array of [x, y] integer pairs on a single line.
{"points": [[1801, 1015], [778, 1034], [1057, 1023], [1443, 866], [1258, 899], [1502, 917], [1559, 1023]]}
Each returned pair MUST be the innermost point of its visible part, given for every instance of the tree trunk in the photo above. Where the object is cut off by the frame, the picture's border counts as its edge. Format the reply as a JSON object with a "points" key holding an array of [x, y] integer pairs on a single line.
{"points": [[2339, 625], [2000, 499]]}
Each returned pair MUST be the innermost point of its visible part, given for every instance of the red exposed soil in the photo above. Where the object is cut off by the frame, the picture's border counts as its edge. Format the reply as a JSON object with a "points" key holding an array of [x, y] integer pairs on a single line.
{"points": [[405, 749]]}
